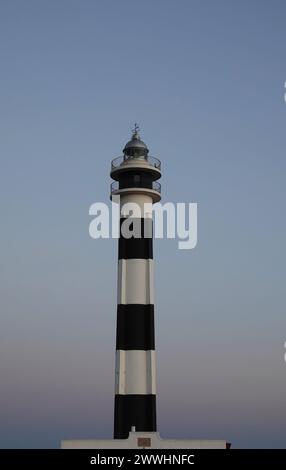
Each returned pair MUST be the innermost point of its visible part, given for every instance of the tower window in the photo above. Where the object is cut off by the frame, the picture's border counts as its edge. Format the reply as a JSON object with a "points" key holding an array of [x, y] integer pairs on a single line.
{"points": [[137, 178]]}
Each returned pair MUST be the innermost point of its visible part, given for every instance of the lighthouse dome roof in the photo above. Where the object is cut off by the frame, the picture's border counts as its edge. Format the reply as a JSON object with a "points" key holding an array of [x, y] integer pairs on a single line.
{"points": [[135, 146]]}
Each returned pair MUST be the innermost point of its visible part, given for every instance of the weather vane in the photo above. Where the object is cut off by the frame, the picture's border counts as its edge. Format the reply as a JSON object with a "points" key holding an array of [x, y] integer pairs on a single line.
{"points": [[136, 128]]}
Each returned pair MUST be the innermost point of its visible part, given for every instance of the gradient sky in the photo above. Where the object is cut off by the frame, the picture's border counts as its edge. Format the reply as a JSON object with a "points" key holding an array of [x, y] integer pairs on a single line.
{"points": [[205, 81]]}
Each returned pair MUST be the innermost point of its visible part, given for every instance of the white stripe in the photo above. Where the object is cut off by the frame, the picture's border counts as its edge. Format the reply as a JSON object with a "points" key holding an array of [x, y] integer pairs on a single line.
{"points": [[135, 281], [135, 372], [143, 202]]}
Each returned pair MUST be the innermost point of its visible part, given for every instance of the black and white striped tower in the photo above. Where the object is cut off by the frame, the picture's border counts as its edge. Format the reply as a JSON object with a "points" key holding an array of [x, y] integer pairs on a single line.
{"points": [[135, 175]]}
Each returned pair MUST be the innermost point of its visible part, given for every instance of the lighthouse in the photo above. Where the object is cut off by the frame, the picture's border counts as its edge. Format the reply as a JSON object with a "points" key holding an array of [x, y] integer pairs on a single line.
{"points": [[136, 188], [136, 177]]}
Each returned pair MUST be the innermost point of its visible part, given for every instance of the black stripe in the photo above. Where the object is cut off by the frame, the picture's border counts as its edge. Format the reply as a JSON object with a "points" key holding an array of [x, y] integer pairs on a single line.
{"points": [[134, 410], [139, 246], [136, 179], [135, 327]]}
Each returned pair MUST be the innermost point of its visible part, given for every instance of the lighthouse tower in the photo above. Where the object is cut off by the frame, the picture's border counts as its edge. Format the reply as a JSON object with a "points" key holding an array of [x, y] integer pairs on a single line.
{"points": [[135, 175], [136, 189]]}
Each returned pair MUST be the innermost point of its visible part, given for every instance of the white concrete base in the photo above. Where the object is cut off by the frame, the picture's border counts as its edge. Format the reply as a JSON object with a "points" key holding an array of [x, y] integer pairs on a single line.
{"points": [[143, 440]]}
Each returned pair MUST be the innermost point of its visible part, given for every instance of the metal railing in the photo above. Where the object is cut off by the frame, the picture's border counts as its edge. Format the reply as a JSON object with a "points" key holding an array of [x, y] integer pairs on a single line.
{"points": [[114, 186], [153, 161], [156, 186]]}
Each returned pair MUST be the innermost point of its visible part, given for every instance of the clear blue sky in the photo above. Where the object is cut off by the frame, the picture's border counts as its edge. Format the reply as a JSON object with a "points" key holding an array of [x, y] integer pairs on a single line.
{"points": [[205, 81]]}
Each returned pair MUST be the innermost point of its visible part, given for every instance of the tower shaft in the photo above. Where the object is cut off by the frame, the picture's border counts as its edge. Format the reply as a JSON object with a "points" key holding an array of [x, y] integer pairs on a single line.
{"points": [[135, 377]]}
